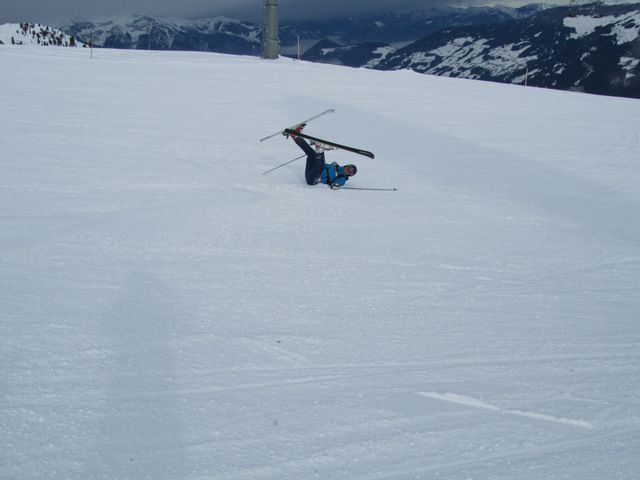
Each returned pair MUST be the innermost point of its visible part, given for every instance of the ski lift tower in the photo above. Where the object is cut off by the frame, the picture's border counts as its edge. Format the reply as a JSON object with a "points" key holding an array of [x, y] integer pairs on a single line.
{"points": [[270, 41]]}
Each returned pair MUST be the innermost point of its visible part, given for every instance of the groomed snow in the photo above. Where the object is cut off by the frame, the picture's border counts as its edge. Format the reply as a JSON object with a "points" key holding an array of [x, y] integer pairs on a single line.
{"points": [[167, 312]]}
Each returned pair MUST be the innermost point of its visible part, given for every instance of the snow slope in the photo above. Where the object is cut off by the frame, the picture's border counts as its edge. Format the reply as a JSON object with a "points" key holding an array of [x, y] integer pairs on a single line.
{"points": [[168, 312]]}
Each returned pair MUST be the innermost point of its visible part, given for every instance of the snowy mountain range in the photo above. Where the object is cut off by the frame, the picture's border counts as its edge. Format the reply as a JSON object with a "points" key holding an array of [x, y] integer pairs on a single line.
{"points": [[592, 48], [224, 35], [144, 32]]}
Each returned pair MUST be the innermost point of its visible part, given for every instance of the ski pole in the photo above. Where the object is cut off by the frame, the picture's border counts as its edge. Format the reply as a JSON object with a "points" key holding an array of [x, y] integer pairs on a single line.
{"points": [[285, 163], [372, 189]]}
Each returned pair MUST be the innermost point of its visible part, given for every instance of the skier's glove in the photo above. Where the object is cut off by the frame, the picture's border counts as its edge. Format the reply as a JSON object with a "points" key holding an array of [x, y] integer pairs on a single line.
{"points": [[335, 186]]}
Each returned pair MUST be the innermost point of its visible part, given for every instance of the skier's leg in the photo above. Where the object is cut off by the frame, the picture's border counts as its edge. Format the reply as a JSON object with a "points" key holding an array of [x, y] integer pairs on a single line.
{"points": [[313, 168], [315, 162], [304, 146]]}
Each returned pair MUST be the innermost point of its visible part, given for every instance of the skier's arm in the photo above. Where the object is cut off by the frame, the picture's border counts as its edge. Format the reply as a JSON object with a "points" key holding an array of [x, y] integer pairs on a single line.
{"points": [[339, 182]]}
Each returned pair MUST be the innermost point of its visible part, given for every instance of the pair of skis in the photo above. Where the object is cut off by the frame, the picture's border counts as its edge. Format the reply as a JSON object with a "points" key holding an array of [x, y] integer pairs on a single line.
{"points": [[279, 132], [316, 140], [323, 144]]}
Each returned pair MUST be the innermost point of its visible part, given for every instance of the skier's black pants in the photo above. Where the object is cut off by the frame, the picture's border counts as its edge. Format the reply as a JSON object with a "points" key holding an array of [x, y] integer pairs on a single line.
{"points": [[315, 162]]}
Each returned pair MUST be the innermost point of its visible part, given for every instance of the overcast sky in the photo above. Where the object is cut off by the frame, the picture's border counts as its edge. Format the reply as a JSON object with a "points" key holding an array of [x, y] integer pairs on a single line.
{"points": [[57, 11]]}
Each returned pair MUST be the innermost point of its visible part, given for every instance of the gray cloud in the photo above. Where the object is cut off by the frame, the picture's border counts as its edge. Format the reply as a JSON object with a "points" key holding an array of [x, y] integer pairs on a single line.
{"points": [[47, 11]]}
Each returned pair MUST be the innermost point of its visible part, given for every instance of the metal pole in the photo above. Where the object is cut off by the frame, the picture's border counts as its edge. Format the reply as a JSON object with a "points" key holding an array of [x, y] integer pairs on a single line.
{"points": [[270, 41]]}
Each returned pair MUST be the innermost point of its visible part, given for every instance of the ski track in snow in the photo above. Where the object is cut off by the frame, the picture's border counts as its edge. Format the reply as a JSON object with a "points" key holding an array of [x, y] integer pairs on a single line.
{"points": [[476, 403], [169, 312]]}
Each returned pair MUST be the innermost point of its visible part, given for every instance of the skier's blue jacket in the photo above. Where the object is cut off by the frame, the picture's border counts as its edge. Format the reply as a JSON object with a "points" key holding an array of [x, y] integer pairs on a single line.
{"points": [[333, 175]]}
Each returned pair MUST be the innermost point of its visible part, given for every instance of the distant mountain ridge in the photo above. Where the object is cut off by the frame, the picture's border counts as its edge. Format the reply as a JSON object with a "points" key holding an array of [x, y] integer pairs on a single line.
{"points": [[225, 35], [407, 27], [592, 48], [143, 32]]}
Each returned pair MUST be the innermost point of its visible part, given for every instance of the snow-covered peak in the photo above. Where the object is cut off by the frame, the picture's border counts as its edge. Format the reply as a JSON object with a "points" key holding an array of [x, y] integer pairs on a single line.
{"points": [[35, 34]]}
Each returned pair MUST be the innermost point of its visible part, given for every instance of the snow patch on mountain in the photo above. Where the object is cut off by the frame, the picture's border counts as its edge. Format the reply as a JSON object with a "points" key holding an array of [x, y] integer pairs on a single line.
{"points": [[625, 28], [629, 64], [461, 56], [382, 53]]}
